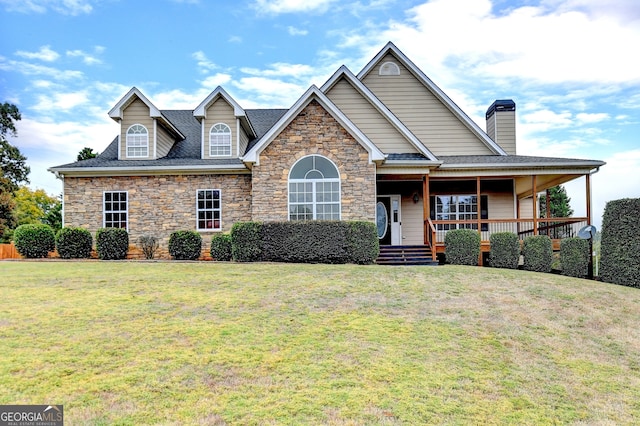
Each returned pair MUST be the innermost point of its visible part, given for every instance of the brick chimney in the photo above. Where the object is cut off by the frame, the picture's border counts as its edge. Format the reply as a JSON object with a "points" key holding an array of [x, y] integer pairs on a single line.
{"points": [[501, 124]]}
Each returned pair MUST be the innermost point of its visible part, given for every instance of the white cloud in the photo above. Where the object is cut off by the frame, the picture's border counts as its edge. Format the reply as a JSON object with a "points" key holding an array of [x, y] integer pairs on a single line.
{"points": [[216, 80], [44, 54], [87, 58], [296, 32], [65, 7], [204, 63], [268, 93], [27, 68], [282, 69], [60, 102], [292, 6], [590, 118]]}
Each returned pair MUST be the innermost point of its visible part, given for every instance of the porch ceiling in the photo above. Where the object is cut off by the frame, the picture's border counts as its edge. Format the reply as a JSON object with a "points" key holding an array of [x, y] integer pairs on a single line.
{"points": [[524, 184]]}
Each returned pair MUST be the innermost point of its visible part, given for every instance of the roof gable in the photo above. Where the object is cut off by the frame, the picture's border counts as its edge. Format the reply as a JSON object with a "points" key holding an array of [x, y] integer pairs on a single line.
{"points": [[238, 111], [390, 48], [313, 93], [117, 112], [344, 73]]}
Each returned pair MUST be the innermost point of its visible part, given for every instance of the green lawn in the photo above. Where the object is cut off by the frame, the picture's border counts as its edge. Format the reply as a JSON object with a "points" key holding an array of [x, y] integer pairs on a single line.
{"points": [[213, 343]]}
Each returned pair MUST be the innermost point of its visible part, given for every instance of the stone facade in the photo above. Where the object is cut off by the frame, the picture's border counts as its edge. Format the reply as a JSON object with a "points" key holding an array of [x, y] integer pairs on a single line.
{"points": [[313, 131], [158, 205]]}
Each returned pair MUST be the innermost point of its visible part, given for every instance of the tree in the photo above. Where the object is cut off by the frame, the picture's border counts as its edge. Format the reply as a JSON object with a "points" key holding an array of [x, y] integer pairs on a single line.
{"points": [[12, 162], [34, 206], [13, 170], [86, 153], [559, 203], [558, 207]]}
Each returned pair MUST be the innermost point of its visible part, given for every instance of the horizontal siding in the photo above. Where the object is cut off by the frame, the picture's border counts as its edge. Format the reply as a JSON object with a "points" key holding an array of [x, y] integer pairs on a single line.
{"points": [[412, 222], [135, 113], [165, 142], [368, 119], [428, 118], [220, 112], [244, 141], [506, 131]]}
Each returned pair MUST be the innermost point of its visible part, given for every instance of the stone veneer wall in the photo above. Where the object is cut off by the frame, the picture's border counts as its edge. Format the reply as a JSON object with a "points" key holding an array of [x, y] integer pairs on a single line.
{"points": [[158, 205], [314, 131]]}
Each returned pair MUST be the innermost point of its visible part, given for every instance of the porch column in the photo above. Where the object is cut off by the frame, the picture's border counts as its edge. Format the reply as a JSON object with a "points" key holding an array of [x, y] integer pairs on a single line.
{"points": [[534, 195], [588, 197], [479, 217], [548, 195], [426, 208]]}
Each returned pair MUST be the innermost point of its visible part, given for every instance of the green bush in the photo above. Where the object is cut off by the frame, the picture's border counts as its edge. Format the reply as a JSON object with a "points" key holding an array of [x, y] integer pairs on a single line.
{"points": [[34, 240], [620, 244], [462, 247], [74, 243], [246, 245], [538, 253], [363, 243], [221, 247], [505, 250], [574, 257], [112, 243], [305, 242], [185, 245]]}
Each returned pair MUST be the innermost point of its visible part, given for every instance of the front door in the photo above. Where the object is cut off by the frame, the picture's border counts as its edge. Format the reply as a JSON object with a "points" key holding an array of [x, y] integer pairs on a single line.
{"points": [[388, 220]]}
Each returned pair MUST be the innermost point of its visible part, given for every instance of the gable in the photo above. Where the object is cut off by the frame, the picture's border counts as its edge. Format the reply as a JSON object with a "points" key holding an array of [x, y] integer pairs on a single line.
{"points": [[368, 119], [424, 113], [136, 112]]}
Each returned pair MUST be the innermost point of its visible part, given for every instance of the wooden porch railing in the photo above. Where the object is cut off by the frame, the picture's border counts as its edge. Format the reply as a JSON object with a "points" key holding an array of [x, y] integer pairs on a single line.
{"points": [[556, 228]]}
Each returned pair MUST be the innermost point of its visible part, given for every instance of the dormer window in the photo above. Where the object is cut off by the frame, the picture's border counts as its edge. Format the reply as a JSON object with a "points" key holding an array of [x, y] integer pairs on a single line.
{"points": [[137, 141], [389, 68], [220, 140]]}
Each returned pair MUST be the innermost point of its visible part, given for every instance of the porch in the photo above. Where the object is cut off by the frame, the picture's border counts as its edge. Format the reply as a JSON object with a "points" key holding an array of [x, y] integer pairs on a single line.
{"points": [[424, 208]]}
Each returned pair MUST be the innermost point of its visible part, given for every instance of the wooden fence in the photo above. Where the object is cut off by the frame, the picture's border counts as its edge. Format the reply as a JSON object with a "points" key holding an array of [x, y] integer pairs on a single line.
{"points": [[8, 251]]}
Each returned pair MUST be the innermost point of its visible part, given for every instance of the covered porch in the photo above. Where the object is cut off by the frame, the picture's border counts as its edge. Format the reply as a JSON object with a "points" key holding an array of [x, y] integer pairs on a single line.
{"points": [[421, 208]]}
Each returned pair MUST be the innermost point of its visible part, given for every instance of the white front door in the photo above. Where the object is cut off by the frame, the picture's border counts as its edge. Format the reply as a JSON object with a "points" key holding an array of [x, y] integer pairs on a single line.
{"points": [[395, 217]]}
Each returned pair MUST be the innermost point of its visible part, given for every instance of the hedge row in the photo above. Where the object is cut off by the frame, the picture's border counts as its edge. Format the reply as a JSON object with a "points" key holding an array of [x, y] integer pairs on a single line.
{"points": [[620, 245], [305, 242]]}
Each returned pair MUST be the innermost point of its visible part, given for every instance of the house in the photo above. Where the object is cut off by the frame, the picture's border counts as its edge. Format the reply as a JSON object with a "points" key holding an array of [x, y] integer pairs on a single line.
{"points": [[386, 145]]}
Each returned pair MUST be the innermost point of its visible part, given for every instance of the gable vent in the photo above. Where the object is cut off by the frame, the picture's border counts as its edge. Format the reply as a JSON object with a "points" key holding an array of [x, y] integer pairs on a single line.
{"points": [[389, 68]]}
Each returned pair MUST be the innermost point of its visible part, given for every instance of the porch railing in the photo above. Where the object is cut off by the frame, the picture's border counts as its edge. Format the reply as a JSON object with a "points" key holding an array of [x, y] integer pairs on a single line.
{"points": [[556, 228]]}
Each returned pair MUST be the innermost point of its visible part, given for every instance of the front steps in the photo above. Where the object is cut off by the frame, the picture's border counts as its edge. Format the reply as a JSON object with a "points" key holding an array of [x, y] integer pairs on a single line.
{"points": [[405, 255]]}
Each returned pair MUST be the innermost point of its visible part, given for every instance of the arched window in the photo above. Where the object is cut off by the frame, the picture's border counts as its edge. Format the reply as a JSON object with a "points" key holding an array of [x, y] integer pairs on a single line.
{"points": [[137, 141], [314, 189], [389, 68], [219, 140]]}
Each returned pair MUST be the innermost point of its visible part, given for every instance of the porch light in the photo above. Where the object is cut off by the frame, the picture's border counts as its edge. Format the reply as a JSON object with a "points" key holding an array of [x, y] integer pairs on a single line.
{"points": [[416, 198]]}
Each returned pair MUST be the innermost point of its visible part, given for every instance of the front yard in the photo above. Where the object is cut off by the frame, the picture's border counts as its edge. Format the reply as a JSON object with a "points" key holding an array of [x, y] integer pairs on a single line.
{"points": [[213, 343]]}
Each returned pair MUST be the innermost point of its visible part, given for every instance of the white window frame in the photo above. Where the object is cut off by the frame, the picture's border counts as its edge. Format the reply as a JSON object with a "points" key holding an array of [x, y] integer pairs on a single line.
{"points": [[135, 143], [311, 186], [212, 210], [219, 148], [118, 211]]}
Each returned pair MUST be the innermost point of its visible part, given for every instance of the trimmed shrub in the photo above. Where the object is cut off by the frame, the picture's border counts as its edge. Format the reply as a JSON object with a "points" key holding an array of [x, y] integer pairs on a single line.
{"points": [[149, 245], [574, 257], [505, 250], [34, 240], [112, 243], [74, 243], [538, 253], [246, 244], [620, 244], [363, 244], [305, 242], [185, 245], [221, 247], [462, 247]]}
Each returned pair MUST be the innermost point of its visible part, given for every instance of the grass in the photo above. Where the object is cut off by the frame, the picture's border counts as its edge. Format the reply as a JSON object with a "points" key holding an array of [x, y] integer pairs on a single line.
{"points": [[213, 343]]}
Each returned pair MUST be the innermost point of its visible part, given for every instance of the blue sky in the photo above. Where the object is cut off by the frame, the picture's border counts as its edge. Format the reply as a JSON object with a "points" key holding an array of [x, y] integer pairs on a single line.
{"points": [[570, 66]]}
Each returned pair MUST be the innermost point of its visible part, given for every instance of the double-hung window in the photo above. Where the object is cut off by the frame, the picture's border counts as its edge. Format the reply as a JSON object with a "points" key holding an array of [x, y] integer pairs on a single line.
{"points": [[115, 209], [137, 141], [209, 210], [314, 189], [220, 140]]}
